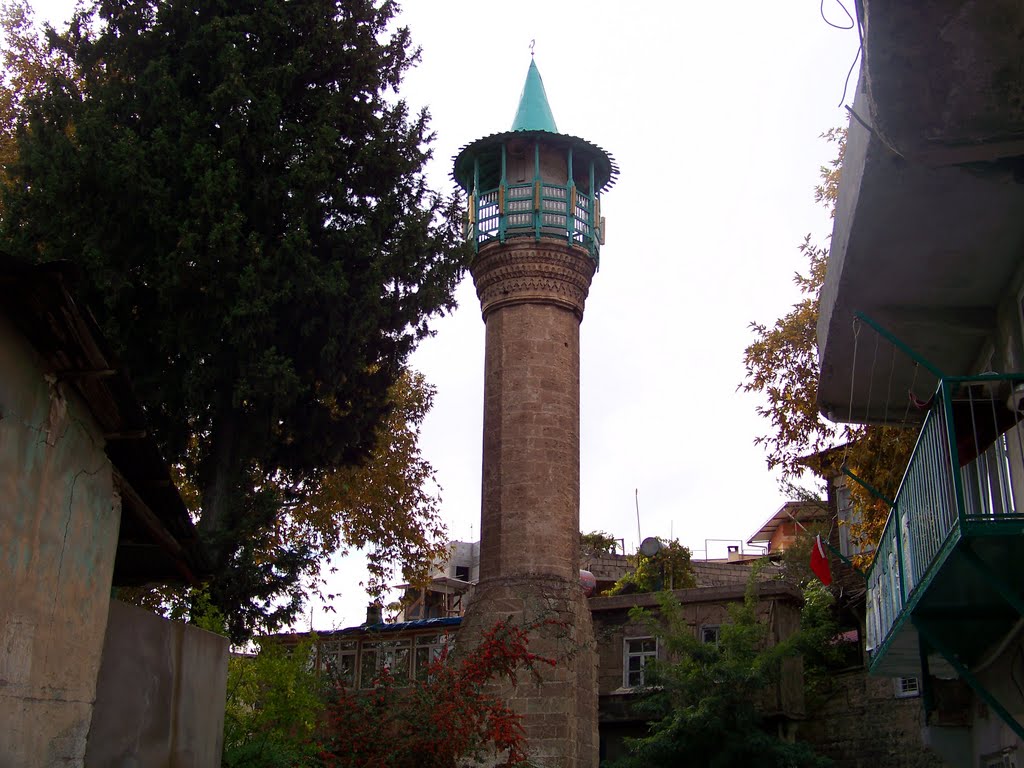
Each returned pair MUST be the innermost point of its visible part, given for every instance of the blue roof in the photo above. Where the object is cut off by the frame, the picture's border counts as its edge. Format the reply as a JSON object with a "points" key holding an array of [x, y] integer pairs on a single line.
{"points": [[534, 113], [451, 621]]}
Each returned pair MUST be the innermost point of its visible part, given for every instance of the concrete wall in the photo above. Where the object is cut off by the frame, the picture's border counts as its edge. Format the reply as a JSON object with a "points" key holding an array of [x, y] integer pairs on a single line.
{"points": [[1002, 678], [59, 535], [160, 694]]}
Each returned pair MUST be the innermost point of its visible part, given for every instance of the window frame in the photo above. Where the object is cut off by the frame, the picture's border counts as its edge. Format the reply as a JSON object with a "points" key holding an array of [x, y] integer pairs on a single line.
{"points": [[643, 655], [716, 628], [434, 645], [902, 689], [331, 652], [381, 652]]}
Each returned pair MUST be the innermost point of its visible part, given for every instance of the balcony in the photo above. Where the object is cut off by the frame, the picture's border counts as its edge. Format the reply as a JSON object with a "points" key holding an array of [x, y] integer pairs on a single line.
{"points": [[536, 210], [948, 562]]}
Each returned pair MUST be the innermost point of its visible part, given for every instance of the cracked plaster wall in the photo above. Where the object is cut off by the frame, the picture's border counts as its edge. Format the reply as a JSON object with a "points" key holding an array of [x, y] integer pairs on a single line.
{"points": [[57, 543]]}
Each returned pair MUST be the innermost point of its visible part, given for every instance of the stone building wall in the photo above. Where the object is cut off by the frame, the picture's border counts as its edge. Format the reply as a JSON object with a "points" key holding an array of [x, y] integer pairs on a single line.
{"points": [[708, 574], [862, 724]]}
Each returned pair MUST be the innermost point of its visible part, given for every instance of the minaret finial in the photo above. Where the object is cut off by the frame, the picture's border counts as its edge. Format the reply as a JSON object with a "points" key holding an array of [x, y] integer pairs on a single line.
{"points": [[532, 43]]}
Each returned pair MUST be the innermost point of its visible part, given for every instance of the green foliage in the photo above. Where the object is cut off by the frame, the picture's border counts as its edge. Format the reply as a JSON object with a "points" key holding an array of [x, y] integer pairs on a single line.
{"points": [[274, 709], [703, 699], [670, 568], [598, 542], [818, 643], [244, 193]]}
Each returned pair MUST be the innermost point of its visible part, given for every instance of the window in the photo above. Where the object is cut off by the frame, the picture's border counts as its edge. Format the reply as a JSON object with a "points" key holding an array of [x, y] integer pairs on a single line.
{"points": [[338, 660], [1006, 758], [709, 633], [428, 650], [638, 652], [378, 655], [462, 572], [906, 687], [848, 545]]}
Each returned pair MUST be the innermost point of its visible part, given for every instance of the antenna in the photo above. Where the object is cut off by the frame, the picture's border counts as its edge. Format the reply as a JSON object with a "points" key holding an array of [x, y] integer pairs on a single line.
{"points": [[636, 499]]}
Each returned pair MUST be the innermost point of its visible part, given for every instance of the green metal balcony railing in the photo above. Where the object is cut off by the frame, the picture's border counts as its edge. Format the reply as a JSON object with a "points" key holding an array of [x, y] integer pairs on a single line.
{"points": [[535, 210], [965, 478]]}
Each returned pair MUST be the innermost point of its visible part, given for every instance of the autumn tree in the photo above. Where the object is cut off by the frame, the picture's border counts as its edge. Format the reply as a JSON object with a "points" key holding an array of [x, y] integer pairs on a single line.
{"points": [[243, 190], [389, 506], [782, 366], [28, 64]]}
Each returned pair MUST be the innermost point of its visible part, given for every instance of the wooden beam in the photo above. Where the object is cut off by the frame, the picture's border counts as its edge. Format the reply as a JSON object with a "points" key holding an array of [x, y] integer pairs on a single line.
{"points": [[86, 373], [131, 434], [152, 523]]}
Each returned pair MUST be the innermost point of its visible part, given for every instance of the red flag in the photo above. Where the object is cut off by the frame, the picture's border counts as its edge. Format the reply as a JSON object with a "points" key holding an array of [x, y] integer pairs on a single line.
{"points": [[819, 562]]}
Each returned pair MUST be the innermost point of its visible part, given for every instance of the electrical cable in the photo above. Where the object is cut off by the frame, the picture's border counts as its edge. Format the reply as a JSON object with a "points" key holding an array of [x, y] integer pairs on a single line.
{"points": [[821, 9]]}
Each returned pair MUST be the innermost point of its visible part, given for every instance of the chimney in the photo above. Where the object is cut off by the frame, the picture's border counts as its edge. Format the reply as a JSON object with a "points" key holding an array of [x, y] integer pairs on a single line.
{"points": [[374, 615]]}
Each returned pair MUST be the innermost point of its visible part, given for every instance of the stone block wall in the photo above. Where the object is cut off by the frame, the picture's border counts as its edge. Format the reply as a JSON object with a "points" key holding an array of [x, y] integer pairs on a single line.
{"points": [[559, 709], [708, 574], [861, 724]]}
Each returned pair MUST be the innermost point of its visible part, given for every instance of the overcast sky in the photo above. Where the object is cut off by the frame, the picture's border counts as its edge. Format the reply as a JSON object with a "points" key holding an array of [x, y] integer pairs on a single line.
{"points": [[713, 111]]}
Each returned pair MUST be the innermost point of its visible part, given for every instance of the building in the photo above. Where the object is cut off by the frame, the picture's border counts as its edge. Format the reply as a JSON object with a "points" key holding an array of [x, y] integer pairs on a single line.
{"points": [[790, 521], [355, 656], [922, 322], [853, 718], [624, 646], [450, 587], [536, 229], [89, 507]]}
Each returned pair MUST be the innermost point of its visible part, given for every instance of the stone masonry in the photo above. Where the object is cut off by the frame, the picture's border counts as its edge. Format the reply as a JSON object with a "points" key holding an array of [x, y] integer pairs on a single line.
{"points": [[532, 293]]}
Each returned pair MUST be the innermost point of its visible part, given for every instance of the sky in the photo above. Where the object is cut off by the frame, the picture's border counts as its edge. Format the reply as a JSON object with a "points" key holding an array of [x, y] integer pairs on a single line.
{"points": [[713, 112]]}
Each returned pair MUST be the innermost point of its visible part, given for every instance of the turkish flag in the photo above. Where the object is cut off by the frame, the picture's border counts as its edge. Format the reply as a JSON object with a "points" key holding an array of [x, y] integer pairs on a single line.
{"points": [[819, 562]]}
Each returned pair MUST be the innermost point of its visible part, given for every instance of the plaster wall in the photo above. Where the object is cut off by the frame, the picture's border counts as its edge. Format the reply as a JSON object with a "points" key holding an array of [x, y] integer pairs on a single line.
{"points": [[1001, 676], [160, 694], [59, 536], [520, 163]]}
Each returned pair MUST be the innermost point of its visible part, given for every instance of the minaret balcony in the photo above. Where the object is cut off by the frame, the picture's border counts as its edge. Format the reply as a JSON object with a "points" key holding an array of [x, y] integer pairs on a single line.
{"points": [[537, 210], [944, 587]]}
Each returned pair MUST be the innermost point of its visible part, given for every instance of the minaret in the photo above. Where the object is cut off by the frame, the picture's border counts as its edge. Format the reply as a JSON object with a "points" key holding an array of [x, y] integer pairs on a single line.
{"points": [[536, 227]]}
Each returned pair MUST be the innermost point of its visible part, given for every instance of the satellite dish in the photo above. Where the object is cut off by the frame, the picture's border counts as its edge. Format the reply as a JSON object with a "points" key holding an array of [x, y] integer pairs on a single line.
{"points": [[650, 546]]}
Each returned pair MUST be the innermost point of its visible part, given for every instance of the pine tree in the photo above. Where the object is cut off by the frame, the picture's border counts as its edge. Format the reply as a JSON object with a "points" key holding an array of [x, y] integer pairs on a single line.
{"points": [[243, 189]]}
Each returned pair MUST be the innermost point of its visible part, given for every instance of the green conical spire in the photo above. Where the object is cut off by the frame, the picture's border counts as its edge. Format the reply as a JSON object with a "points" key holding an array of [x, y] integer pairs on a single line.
{"points": [[534, 113]]}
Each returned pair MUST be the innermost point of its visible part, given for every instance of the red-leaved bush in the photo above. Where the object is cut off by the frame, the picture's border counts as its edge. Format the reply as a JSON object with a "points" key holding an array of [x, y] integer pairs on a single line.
{"points": [[455, 714]]}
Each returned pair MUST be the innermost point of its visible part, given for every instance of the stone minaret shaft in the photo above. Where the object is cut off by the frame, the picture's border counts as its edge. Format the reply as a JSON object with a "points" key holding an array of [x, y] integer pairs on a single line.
{"points": [[532, 295], [535, 225]]}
